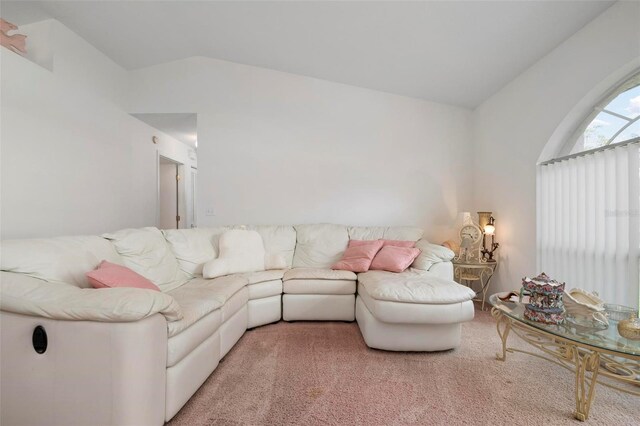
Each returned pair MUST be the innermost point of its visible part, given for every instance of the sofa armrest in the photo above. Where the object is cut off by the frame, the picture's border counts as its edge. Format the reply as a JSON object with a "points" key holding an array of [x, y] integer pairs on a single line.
{"points": [[442, 270], [90, 373], [430, 255], [26, 295]]}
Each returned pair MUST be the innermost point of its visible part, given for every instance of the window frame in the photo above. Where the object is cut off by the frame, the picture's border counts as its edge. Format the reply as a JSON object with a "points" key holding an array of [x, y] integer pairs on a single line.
{"points": [[632, 80]]}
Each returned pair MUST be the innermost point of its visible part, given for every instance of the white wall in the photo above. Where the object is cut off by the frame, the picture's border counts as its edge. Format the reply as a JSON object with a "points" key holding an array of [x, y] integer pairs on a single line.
{"points": [[72, 160], [273, 147], [280, 148], [512, 128]]}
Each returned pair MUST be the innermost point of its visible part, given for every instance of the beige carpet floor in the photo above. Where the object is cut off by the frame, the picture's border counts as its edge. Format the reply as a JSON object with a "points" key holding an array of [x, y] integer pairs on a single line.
{"points": [[323, 374]]}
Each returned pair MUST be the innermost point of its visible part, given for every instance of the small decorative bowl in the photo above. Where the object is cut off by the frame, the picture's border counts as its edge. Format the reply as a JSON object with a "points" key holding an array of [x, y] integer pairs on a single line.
{"points": [[630, 328]]}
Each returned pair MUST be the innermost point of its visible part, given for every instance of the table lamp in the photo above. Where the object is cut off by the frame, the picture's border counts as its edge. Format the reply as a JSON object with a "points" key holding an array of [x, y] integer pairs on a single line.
{"points": [[489, 229]]}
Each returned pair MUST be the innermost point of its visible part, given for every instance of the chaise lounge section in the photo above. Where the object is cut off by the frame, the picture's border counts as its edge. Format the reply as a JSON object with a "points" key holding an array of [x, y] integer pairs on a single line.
{"points": [[135, 357], [408, 312]]}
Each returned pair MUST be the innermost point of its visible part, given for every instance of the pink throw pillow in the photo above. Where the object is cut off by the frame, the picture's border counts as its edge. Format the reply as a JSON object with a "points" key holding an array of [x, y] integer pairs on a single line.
{"points": [[109, 275], [394, 259], [398, 243], [358, 256]]}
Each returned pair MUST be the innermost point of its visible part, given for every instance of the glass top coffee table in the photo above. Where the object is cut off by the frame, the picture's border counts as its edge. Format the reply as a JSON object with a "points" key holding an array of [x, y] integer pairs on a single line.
{"points": [[595, 355]]}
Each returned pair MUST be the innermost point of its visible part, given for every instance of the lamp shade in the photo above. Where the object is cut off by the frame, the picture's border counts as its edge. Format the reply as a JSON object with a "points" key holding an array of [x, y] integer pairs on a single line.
{"points": [[489, 229]]}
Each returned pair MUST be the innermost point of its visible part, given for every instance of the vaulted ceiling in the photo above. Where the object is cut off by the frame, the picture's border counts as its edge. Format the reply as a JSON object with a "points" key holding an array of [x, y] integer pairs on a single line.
{"points": [[458, 53]]}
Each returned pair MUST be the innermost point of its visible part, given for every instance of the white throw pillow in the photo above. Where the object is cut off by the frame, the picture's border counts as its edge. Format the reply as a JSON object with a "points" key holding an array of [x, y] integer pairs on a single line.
{"points": [[240, 251]]}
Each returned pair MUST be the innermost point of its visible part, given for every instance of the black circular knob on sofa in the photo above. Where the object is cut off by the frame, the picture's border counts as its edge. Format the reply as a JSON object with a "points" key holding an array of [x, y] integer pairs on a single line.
{"points": [[39, 339]]}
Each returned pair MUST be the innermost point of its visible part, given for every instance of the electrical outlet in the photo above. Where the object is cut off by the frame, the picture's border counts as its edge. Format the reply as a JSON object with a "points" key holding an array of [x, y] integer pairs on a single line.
{"points": [[209, 212]]}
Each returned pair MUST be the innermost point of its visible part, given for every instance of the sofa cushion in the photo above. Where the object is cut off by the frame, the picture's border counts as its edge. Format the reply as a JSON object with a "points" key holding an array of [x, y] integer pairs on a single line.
{"points": [[278, 240], [235, 303], [213, 235], [265, 289], [366, 233], [398, 243], [416, 313], [405, 233], [319, 246], [318, 274], [146, 252], [200, 296], [274, 261], [111, 275], [411, 287], [192, 249], [60, 260], [431, 254], [222, 288], [307, 286], [195, 304], [182, 344], [358, 255], [240, 250], [263, 276], [195, 247]]}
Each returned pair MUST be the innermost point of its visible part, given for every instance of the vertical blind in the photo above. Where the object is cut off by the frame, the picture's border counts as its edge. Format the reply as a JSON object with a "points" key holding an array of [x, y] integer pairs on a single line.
{"points": [[588, 221]]}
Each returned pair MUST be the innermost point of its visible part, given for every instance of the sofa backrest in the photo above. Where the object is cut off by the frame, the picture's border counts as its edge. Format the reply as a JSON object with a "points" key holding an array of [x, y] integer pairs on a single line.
{"points": [[279, 240], [170, 257], [402, 233], [146, 251], [302, 246], [213, 235], [195, 247], [61, 259], [319, 245], [322, 245]]}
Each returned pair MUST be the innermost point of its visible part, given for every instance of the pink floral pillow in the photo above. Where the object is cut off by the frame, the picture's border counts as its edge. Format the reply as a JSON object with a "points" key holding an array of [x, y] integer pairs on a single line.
{"points": [[110, 275], [398, 243], [394, 259], [358, 256]]}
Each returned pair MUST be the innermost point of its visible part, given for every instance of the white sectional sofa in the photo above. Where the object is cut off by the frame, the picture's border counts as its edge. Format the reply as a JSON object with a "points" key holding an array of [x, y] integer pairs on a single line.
{"points": [[126, 356]]}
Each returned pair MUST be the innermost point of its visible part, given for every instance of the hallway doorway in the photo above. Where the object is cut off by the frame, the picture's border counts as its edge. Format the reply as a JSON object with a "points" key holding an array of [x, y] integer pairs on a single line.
{"points": [[170, 193]]}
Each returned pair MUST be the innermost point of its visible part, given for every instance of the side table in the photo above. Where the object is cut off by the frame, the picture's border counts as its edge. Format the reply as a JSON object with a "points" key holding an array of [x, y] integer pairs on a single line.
{"points": [[469, 272]]}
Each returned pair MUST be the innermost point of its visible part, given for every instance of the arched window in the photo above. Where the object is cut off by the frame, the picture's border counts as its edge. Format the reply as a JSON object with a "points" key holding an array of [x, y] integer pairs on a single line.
{"points": [[615, 119], [588, 202]]}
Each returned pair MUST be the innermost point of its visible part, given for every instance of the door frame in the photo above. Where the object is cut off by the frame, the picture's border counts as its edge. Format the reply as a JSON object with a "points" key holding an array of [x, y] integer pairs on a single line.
{"points": [[180, 170], [194, 202]]}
